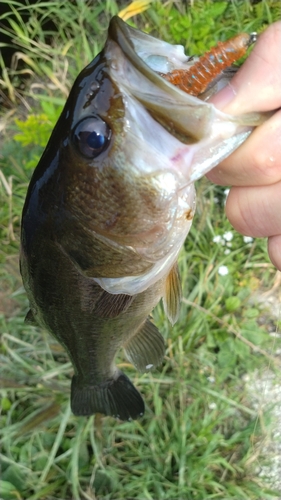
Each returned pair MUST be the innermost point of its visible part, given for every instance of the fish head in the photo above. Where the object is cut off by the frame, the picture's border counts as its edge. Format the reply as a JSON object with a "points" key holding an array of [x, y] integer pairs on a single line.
{"points": [[118, 159], [129, 146]]}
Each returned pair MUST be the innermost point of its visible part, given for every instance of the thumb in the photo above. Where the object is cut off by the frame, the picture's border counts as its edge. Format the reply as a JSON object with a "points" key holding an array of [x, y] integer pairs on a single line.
{"points": [[257, 84]]}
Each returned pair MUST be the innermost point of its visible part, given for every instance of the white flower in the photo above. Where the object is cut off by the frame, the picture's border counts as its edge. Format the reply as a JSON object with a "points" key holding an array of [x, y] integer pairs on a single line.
{"points": [[247, 239], [211, 379], [213, 406], [217, 239], [227, 251], [223, 270], [228, 236]]}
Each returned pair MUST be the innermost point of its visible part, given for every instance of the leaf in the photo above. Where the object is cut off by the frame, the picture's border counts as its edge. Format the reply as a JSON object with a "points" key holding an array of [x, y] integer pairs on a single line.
{"points": [[83, 455], [15, 476], [256, 336], [227, 356], [242, 350], [252, 312], [134, 8], [8, 491], [31, 164], [51, 111], [5, 404], [35, 130], [40, 417], [217, 9], [232, 303]]}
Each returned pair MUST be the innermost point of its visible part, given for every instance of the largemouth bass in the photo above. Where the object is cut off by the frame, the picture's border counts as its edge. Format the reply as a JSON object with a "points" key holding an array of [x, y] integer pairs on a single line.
{"points": [[109, 207]]}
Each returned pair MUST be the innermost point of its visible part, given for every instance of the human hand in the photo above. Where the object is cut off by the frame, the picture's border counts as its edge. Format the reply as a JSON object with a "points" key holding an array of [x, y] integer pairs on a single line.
{"points": [[254, 170]]}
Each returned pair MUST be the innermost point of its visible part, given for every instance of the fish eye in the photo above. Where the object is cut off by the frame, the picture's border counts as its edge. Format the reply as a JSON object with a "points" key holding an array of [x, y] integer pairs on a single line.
{"points": [[91, 136]]}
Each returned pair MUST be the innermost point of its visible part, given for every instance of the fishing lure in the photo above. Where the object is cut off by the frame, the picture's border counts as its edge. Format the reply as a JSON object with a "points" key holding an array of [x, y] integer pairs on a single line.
{"points": [[197, 78]]}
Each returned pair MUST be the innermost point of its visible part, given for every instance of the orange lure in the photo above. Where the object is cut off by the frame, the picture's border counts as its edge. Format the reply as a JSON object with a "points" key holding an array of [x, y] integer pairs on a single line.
{"points": [[195, 80]]}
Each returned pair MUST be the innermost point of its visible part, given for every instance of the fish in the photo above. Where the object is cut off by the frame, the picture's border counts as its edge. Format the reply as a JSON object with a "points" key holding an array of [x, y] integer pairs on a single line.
{"points": [[109, 207]]}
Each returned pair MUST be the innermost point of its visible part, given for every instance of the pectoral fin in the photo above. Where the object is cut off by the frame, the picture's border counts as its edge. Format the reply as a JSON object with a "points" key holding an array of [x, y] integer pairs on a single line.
{"points": [[146, 349], [173, 294], [110, 306]]}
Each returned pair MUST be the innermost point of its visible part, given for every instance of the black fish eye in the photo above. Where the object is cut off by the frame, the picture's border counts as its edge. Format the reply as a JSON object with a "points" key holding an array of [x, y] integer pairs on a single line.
{"points": [[91, 136]]}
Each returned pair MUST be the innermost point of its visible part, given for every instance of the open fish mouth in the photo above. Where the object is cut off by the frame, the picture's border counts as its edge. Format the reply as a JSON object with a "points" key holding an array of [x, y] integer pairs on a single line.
{"points": [[136, 61]]}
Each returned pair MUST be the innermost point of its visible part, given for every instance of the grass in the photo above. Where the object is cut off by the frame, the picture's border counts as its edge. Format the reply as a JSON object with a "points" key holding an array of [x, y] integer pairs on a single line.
{"points": [[201, 437]]}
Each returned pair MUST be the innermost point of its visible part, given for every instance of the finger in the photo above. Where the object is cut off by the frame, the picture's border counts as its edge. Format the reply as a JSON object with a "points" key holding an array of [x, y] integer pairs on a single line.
{"points": [[256, 86], [274, 250], [255, 211], [257, 161]]}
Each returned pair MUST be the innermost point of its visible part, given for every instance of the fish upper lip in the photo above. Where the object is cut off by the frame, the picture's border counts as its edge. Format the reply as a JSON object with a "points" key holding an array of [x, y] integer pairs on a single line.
{"points": [[120, 33], [188, 116]]}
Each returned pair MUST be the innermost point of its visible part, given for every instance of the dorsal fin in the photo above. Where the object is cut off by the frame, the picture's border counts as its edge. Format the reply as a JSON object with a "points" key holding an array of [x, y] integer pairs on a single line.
{"points": [[29, 318]]}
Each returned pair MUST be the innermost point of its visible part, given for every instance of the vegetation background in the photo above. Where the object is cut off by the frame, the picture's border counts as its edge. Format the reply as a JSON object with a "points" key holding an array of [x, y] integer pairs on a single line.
{"points": [[203, 436]]}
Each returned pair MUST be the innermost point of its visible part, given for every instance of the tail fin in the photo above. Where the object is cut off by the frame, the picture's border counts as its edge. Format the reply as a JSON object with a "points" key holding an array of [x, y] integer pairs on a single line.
{"points": [[116, 397]]}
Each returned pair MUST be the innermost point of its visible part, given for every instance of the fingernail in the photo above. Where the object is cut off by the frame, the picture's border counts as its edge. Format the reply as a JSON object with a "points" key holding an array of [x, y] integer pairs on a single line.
{"points": [[223, 99]]}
